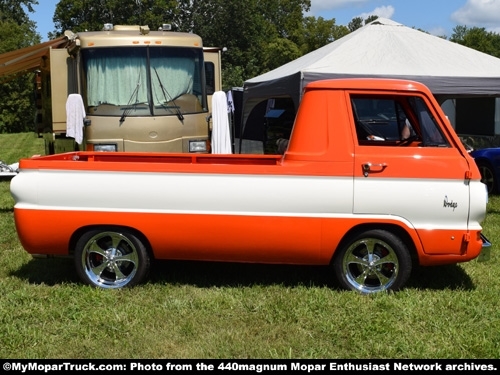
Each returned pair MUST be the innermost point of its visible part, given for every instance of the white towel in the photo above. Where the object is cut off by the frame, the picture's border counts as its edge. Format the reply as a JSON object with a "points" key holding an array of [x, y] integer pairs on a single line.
{"points": [[75, 114], [221, 137]]}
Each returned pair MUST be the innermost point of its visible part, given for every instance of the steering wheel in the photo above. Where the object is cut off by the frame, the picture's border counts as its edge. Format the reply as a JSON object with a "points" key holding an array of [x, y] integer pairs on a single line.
{"points": [[409, 140]]}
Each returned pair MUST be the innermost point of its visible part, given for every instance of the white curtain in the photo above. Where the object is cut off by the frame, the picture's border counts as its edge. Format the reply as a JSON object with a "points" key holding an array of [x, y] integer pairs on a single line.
{"points": [[122, 80]]}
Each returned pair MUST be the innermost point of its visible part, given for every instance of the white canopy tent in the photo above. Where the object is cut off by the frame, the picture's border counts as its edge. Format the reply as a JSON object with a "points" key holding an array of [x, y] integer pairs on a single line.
{"points": [[383, 48]]}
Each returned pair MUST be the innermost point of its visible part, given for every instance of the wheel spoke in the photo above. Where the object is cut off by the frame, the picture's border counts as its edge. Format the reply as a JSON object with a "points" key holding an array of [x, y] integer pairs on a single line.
{"points": [[354, 259], [98, 270], [118, 272], [127, 258], [121, 260], [390, 258], [383, 280], [370, 247], [361, 279], [95, 248], [115, 240]]}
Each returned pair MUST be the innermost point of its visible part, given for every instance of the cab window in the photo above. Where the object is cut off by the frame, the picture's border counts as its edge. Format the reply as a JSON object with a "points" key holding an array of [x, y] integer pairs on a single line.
{"points": [[391, 120]]}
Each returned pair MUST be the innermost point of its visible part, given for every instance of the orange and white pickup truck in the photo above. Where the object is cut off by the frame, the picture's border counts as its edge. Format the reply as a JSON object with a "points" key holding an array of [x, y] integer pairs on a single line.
{"points": [[350, 192]]}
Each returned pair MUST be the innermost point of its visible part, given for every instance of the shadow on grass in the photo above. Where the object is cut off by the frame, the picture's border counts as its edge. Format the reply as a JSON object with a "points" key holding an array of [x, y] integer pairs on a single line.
{"points": [[209, 274], [440, 277], [48, 271], [6, 177], [52, 271]]}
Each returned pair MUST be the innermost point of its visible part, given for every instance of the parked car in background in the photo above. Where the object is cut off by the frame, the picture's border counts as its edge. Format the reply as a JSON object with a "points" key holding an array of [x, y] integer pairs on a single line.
{"points": [[488, 161]]}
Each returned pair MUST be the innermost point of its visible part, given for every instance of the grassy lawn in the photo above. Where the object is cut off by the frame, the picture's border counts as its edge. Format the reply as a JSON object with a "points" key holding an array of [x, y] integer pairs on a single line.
{"points": [[212, 310]]}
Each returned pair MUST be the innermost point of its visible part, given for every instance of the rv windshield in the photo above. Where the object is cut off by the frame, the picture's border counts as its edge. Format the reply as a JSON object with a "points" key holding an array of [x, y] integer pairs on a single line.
{"points": [[144, 81]]}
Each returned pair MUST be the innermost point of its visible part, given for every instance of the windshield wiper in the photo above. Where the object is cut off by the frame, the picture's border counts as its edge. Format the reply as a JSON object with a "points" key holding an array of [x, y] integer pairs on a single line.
{"points": [[129, 108], [165, 94]]}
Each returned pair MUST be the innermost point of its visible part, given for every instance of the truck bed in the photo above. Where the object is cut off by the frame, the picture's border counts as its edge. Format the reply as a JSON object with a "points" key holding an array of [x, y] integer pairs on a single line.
{"points": [[134, 161]]}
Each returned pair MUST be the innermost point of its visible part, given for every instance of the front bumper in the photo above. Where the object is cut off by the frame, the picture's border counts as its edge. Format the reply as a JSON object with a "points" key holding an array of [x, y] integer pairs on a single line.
{"points": [[485, 253]]}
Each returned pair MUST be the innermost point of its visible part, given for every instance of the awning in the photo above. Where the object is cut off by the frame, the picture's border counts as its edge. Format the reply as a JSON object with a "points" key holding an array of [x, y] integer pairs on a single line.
{"points": [[27, 59]]}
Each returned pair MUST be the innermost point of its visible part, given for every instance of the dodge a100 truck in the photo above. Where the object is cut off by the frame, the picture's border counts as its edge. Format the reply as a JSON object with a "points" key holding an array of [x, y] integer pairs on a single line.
{"points": [[374, 181]]}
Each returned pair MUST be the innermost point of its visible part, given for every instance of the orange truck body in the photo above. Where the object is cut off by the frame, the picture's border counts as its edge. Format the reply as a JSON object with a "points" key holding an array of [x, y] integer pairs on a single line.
{"points": [[301, 207]]}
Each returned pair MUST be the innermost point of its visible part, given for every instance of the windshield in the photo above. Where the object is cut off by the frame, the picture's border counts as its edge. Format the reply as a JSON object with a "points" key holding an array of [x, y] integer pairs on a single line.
{"points": [[144, 81]]}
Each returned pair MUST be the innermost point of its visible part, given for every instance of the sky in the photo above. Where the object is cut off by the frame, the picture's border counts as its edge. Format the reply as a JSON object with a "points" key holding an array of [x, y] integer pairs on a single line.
{"points": [[437, 17]]}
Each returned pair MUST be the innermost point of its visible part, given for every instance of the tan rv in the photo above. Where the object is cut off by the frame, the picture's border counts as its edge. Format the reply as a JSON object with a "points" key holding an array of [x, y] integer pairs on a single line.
{"points": [[141, 90]]}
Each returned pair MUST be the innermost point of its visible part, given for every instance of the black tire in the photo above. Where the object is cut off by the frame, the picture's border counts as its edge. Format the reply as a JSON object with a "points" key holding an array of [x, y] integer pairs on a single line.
{"points": [[487, 176], [372, 261], [111, 258]]}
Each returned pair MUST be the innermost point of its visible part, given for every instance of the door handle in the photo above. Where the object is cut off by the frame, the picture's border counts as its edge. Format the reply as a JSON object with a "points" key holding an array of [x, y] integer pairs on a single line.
{"points": [[373, 168]]}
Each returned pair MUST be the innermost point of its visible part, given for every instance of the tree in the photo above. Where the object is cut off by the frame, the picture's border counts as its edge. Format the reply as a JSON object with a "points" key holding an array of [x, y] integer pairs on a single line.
{"points": [[84, 15], [478, 39], [12, 10], [318, 32], [358, 22], [17, 108], [370, 19], [355, 24], [252, 31], [279, 52]]}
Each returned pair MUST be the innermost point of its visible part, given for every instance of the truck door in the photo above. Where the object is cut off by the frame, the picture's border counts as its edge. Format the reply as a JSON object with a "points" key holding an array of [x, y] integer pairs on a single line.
{"points": [[419, 178]]}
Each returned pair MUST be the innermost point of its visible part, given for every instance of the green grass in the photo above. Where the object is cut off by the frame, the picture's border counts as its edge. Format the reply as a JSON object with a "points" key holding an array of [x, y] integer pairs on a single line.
{"points": [[213, 310]]}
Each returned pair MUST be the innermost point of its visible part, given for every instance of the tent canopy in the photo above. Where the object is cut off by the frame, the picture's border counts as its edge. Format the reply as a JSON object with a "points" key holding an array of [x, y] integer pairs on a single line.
{"points": [[383, 48], [27, 59]]}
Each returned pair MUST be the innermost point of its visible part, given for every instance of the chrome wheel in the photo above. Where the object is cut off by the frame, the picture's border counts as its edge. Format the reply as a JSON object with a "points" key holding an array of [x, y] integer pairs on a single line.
{"points": [[374, 261], [111, 259]]}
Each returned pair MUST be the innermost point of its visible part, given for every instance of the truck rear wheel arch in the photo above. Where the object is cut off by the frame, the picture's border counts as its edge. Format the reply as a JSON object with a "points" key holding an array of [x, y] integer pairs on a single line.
{"points": [[111, 227], [395, 229]]}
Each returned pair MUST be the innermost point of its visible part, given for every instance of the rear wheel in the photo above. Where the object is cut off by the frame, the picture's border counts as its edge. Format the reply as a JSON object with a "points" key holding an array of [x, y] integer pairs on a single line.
{"points": [[111, 259], [372, 261]]}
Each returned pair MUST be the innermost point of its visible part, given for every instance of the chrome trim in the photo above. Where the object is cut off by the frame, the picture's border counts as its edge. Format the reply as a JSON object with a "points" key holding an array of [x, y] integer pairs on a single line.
{"points": [[486, 242]]}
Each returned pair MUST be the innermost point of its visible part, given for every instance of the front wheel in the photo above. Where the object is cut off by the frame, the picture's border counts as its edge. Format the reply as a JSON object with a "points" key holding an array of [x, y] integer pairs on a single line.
{"points": [[111, 259], [372, 261]]}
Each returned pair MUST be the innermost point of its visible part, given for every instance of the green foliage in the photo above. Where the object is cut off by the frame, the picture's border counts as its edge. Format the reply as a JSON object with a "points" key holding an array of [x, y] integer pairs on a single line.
{"points": [[355, 24], [370, 19], [17, 110], [12, 10], [249, 30], [279, 52], [17, 107], [477, 38], [82, 15], [232, 76], [317, 32], [358, 22]]}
